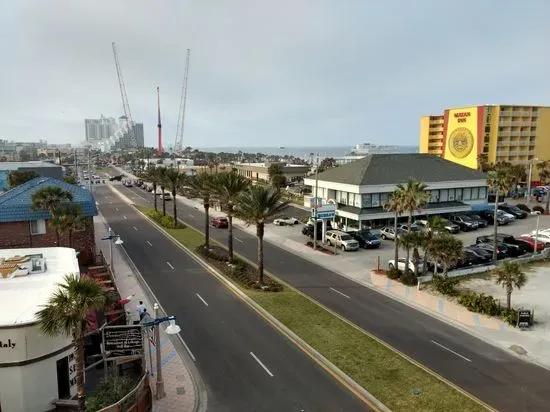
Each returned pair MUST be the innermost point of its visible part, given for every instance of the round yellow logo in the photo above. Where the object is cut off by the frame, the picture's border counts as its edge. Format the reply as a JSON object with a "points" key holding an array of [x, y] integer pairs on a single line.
{"points": [[461, 142]]}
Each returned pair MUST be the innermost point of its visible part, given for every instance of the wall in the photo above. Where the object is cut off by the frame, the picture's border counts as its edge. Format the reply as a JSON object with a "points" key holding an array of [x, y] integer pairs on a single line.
{"points": [[462, 135], [424, 134], [542, 142], [17, 235]]}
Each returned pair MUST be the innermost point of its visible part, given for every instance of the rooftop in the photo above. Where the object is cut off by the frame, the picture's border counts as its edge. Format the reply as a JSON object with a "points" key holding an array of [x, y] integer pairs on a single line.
{"points": [[391, 169], [22, 296], [16, 204], [25, 165]]}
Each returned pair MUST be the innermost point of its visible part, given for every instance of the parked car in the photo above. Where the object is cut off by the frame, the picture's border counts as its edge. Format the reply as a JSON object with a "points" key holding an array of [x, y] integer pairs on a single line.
{"points": [[366, 239], [285, 220], [502, 218], [401, 265], [341, 239], [514, 211], [531, 242], [465, 222], [502, 249], [484, 255], [405, 228], [389, 233], [541, 236], [127, 183], [450, 226], [481, 222], [308, 229], [471, 258], [423, 224], [515, 246], [220, 222]]}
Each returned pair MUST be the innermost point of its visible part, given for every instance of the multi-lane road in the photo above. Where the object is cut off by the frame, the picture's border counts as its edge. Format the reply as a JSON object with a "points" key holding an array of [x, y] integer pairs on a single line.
{"points": [[245, 363], [494, 376]]}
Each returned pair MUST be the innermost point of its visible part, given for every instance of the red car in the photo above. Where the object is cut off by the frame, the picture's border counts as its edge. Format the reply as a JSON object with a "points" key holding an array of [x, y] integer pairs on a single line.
{"points": [[531, 241], [220, 223]]}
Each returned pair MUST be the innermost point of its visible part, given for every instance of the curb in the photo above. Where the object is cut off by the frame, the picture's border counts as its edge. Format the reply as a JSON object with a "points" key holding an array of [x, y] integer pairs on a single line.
{"points": [[199, 387], [337, 373]]}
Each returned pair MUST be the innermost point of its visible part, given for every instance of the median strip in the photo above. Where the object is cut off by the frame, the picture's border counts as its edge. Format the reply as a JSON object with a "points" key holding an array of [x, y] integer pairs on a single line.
{"points": [[387, 375]]}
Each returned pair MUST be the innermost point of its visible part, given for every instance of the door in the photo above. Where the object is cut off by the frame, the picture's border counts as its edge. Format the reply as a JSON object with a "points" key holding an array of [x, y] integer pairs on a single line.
{"points": [[63, 386]]}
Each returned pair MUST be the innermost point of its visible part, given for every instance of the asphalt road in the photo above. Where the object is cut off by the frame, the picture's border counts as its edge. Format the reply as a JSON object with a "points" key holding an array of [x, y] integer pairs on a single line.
{"points": [[494, 376], [245, 363]]}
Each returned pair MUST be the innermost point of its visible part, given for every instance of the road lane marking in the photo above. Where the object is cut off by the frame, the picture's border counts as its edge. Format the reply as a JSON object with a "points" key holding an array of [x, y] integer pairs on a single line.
{"points": [[135, 228], [237, 239], [450, 350], [261, 364], [202, 300], [340, 293], [116, 208], [149, 243], [171, 267], [124, 217]]}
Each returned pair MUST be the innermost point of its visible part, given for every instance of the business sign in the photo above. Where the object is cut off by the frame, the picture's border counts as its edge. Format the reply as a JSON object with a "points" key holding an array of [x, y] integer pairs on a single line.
{"points": [[463, 135], [524, 318], [312, 201], [123, 340], [72, 370], [327, 211]]}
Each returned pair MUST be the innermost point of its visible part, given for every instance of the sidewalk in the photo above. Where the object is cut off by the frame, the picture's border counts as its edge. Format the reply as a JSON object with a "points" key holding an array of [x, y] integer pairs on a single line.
{"points": [[178, 384]]}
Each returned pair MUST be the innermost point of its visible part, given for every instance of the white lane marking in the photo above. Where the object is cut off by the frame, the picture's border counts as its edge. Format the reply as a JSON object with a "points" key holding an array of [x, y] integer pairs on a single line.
{"points": [[116, 208], [135, 228], [171, 267], [261, 364], [149, 243], [202, 300], [340, 293], [237, 239], [450, 350], [124, 217]]}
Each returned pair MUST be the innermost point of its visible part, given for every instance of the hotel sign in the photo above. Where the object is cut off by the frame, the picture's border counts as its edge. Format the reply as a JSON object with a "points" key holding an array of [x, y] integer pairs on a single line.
{"points": [[7, 344]]}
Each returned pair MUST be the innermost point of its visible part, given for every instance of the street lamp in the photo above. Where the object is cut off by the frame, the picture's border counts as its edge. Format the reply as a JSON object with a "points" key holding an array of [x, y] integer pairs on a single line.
{"points": [[315, 204], [536, 235], [171, 329], [117, 241], [530, 178]]}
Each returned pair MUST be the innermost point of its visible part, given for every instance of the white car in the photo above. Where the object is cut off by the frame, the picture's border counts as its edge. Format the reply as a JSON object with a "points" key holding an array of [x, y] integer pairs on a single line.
{"points": [[543, 237], [401, 265], [286, 220]]}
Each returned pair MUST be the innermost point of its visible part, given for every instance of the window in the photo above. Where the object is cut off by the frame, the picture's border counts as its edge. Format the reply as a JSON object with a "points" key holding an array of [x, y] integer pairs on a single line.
{"points": [[475, 193], [366, 201], [443, 195], [357, 200], [458, 194], [451, 195], [376, 200], [467, 193], [38, 227], [434, 196], [384, 197], [482, 193]]}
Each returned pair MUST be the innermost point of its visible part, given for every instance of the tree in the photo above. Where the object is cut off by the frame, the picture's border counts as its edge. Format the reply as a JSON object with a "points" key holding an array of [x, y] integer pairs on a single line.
{"points": [[517, 174], [276, 175], [544, 176], [395, 205], [50, 198], [498, 181], [154, 177], [435, 226], [69, 218], [69, 179], [413, 240], [227, 188], [327, 163], [483, 162], [161, 172], [201, 187], [18, 177], [65, 314], [510, 276], [256, 205], [413, 197], [174, 179], [447, 250]]}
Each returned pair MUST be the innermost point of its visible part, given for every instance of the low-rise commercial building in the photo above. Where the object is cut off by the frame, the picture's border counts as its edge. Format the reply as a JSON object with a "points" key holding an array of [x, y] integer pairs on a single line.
{"points": [[23, 227], [499, 133], [34, 369], [43, 169], [361, 188], [260, 171]]}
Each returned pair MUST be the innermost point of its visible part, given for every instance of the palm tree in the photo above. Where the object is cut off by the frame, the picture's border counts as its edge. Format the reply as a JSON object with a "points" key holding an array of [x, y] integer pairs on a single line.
{"points": [[435, 226], [544, 176], [498, 181], [57, 222], [511, 276], [175, 180], [161, 171], [153, 176], [413, 240], [255, 206], [227, 188], [447, 249], [71, 219], [201, 187], [414, 196], [65, 314], [50, 198], [395, 205]]}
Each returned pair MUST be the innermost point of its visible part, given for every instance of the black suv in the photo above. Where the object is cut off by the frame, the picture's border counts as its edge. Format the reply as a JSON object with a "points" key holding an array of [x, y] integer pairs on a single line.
{"points": [[465, 222], [476, 217], [308, 229], [516, 247], [366, 239], [514, 211]]}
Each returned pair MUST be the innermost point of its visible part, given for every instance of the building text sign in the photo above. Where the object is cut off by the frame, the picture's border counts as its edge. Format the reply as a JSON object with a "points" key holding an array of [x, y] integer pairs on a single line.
{"points": [[123, 340]]}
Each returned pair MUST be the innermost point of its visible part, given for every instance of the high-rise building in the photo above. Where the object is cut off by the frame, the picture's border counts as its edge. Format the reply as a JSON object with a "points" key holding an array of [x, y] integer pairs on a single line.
{"points": [[509, 133], [138, 132], [99, 129]]}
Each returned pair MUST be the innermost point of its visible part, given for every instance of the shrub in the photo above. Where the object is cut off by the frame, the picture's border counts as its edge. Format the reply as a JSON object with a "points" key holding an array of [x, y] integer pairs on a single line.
{"points": [[167, 221], [510, 316], [445, 285], [480, 303], [524, 207], [408, 279], [393, 273], [111, 390], [538, 209]]}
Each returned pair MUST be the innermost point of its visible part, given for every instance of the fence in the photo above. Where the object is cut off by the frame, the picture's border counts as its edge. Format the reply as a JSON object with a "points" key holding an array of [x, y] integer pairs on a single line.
{"points": [[140, 399]]}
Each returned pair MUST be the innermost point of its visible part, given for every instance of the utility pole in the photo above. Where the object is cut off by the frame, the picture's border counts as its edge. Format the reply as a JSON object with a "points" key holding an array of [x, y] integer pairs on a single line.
{"points": [[315, 204], [159, 125]]}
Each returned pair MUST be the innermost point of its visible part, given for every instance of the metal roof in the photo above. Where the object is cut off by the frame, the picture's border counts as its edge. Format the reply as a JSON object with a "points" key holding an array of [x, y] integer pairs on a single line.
{"points": [[16, 204], [25, 165]]}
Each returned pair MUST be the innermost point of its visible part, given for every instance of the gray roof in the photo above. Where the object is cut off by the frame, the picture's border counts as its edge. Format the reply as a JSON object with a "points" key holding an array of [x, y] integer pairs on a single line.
{"points": [[25, 165], [390, 169]]}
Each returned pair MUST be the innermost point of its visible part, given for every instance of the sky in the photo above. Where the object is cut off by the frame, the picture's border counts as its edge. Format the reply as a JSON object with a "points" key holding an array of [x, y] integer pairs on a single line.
{"points": [[267, 73]]}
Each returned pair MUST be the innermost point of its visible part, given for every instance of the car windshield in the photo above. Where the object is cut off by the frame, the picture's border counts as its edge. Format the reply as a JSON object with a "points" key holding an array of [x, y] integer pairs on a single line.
{"points": [[515, 209], [466, 218], [477, 217], [284, 217], [346, 237]]}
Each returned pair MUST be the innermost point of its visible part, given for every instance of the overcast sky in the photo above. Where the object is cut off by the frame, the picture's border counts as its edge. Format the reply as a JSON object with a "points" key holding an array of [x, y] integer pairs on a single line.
{"points": [[267, 73]]}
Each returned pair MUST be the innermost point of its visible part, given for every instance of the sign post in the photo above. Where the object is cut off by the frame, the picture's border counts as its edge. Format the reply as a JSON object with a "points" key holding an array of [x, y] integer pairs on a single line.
{"points": [[524, 318]]}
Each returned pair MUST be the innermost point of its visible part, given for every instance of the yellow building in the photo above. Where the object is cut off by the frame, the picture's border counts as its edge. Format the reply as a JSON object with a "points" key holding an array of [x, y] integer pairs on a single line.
{"points": [[515, 134]]}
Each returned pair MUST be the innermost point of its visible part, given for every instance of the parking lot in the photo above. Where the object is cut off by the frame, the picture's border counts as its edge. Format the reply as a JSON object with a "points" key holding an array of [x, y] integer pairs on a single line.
{"points": [[368, 257]]}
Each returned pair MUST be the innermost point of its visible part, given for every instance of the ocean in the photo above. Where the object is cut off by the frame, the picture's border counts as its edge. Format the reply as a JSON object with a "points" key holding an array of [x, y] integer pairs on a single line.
{"points": [[303, 151]]}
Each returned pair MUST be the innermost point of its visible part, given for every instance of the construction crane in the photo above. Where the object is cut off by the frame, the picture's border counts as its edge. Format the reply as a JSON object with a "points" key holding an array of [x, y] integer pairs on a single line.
{"points": [[178, 143], [125, 104], [159, 125]]}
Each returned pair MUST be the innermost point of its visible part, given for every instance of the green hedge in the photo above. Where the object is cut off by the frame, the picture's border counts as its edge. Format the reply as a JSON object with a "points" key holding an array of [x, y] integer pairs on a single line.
{"points": [[165, 221]]}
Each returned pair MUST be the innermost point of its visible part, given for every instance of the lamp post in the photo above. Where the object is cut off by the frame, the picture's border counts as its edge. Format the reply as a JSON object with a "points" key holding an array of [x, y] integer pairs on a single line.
{"points": [[117, 240], [536, 235], [315, 204], [172, 329], [530, 178]]}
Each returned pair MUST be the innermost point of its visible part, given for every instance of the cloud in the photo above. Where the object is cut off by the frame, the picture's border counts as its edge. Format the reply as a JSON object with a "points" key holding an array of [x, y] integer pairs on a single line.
{"points": [[282, 73]]}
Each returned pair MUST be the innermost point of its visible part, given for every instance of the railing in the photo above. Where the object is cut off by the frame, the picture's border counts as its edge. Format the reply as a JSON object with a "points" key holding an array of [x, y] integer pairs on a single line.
{"points": [[140, 399]]}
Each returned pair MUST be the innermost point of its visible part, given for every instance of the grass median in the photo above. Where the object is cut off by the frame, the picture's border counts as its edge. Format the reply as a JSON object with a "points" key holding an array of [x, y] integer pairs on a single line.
{"points": [[391, 378]]}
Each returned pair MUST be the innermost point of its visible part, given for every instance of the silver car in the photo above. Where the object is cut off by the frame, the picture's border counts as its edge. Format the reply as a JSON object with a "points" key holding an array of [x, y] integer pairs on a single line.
{"points": [[389, 233], [342, 240]]}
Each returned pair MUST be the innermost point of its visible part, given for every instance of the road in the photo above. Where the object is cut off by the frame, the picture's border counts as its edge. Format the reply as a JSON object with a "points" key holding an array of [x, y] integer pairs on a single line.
{"points": [[494, 376], [246, 364]]}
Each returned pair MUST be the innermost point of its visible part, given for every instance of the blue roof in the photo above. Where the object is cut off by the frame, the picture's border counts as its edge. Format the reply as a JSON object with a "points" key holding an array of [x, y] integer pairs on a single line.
{"points": [[16, 204]]}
